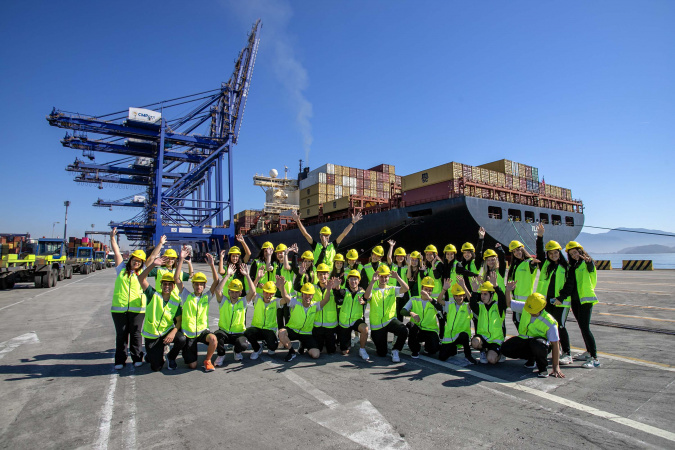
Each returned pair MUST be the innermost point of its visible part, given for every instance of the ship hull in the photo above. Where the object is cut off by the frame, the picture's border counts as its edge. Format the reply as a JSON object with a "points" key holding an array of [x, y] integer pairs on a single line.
{"points": [[453, 220]]}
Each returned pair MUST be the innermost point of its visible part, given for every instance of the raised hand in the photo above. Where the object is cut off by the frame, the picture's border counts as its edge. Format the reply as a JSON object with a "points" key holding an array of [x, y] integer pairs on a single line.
{"points": [[492, 277], [243, 269], [240, 238], [184, 252], [231, 270], [302, 269], [334, 282], [356, 217], [295, 216], [209, 258], [293, 248], [279, 282], [261, 271], [222, 253], [376, 277], [511, 285], [447, 283], [481, 232], [540, 229], [159, 261], [391, 242], [113, 232], [407, 260], [162, 240]]}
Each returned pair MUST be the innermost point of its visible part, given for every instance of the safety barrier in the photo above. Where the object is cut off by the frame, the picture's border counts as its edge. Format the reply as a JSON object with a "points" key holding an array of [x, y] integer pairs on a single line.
{"points": [[630, 264], [603, 264]]}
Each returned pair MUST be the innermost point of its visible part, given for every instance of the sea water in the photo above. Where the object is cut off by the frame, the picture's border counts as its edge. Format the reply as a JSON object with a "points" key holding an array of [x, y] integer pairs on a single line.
{"points": [[660, 260]]}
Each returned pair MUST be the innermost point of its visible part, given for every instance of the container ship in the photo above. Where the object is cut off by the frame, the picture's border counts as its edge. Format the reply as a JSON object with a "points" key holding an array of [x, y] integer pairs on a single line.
{"points": [[441, 205]]}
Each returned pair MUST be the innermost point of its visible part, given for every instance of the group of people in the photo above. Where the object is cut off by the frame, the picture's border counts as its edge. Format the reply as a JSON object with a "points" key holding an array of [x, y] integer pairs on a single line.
{"points": [[322, 298]]}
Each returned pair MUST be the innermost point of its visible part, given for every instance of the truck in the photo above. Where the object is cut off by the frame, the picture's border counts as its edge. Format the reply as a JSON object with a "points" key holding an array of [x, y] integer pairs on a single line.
{"points": [[83, 262], [110, 260], [99, 260], [44, 267]]}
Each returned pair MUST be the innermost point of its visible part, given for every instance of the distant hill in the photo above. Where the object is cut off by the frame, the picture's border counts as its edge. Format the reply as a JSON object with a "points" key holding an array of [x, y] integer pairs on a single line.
{"points": [[647, 249], [617, 241]]}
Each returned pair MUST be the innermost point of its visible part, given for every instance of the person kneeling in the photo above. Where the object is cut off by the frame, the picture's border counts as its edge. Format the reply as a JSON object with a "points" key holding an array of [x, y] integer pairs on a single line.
{"points": [[423, 325], [350, 319], [458, 320], [265, 318], [490, 324]]}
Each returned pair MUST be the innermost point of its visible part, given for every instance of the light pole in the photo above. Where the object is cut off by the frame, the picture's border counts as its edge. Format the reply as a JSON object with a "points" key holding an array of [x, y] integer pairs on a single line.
{"points": [[65, 225], [53, 225]]}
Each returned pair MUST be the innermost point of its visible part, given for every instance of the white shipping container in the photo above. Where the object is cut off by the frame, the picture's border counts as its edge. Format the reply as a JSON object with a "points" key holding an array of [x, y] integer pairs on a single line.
{"points": [[322, 178], [352, 190], [311, 180], [144, 115], [326, 168], [338, 191]]}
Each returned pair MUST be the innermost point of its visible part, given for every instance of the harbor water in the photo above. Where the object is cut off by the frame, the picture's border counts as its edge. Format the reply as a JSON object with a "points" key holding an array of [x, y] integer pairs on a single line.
{"points": [[660, 260]]}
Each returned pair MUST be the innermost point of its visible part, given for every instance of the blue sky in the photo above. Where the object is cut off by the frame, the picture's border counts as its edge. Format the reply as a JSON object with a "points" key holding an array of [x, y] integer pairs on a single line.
{"points": [[582, 90]]}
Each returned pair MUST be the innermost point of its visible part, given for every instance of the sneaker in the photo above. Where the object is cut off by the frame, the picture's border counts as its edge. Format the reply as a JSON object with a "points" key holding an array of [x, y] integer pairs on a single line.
{"points": [[483, 358], [238, 357], [291, 355], [119, 366], [271, 352], [471, 359], [585, 356], [301, 350], [566, 359], [364, 354], [529, 364], [255, 355], [543, 374], [208, 366], [172, 364], [219, 360], [591, 363], [138, 363], [502, 358], [415, 355], [394, 356], [345, 352]]}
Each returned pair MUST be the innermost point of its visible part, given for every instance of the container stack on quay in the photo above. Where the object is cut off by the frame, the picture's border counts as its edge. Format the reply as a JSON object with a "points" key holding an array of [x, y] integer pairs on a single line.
{"points": [[12, 244], [75, 243], [332, 188], [244, 220]]}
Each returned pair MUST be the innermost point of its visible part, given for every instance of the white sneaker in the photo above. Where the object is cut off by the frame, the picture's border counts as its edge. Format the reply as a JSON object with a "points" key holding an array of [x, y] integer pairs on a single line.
{"points": [[238, 357], [255, 355], [119, 366], [138, 363], [483, 358], [219, 361], [591, 363], [566, 359], [271, 352], [394, 356], [502, 358], [585, 356], [363, 354]]}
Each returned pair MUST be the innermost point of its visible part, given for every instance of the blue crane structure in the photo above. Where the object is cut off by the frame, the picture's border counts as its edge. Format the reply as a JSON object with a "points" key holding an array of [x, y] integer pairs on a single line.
{"points": [[180, 162]]}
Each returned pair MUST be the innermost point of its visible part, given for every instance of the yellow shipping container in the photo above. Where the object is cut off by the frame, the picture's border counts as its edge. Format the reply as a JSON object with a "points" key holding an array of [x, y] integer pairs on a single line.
{"points": [[501, 166], [438, 174], [501, 179], [319, 188], [484, 175], [392, 169], [310, 211], [330, 189], [312, 200], [336, 205], [373, 176]]}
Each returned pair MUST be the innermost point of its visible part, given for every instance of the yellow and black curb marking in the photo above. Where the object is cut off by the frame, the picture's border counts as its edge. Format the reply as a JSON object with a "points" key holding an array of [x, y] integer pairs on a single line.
{"points": [[603, 264], [645, 264]]}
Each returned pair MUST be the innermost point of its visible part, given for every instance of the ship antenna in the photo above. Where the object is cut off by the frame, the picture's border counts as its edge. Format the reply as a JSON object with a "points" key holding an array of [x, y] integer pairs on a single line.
{"points": [[300, 166]]}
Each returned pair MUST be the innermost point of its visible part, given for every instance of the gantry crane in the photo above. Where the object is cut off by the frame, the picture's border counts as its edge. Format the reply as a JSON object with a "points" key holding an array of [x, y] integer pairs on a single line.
{"points": [[178, 162]]}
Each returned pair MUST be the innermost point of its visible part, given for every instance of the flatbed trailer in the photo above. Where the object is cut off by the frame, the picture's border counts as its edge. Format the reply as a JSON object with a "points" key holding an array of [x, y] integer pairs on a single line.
{"points": [[83, 262], [44, 268]]}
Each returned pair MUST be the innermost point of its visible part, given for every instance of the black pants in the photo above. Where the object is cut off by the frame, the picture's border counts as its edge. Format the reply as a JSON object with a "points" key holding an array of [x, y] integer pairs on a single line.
{"points": [[560, 316], [529, 349], [345, 334], [155, 350], [450, 349], [283, 316], [254, 334], [582, 312], [400, 303], [416, 335], [237, 339], [128, 326], [325, 336], [379, 337]]}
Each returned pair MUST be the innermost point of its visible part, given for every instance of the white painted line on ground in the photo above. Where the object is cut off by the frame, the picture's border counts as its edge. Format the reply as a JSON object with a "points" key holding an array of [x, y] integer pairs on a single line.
{"points": [[8, 346], [47, 291], [637, 306], [562, 401], [131, 421], [106, 415], [636, 361], [310, 389]]}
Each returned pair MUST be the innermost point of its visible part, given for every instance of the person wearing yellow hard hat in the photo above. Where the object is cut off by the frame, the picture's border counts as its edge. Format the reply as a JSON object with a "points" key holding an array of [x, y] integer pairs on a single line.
{"points": [[399, 265], [488, 304], [195, 304], [580, 287], [423, 325], [168, 267], [264, 324], [537, 334], [235, 258], [301, 323], [324, 250], [285, 266], [414, 275], [457, 330], [265, 259], [339, 270], [350, 314], [552, 275], [523, 270], [382, 314], [433, 268], [128, 303], [305, 271], [161, 312], [372, 265], [352, 259]]}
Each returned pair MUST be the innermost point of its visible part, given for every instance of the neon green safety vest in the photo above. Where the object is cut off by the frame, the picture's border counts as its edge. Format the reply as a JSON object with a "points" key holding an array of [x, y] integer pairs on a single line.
{"points": [[490, 323], [302, 322], [351, 309], [368, 268], [544, 281], [329, 255], [457, 321], [226, 287], [268, 276], [195, 315], [536, 329], [327, 317], [382, 307], [159, 317], [438, 283], [586, 282], [288, 284], [401, 271], [232, 316], [427, 313], [175, 294], [128, 295], [500, 279], [265, 314], [524, 281]]}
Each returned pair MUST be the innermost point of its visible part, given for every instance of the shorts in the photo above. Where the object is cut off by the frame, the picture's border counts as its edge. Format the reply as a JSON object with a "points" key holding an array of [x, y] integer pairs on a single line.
{"points": [[355, 326], [307, 341], [486, 346], [190, 352]]}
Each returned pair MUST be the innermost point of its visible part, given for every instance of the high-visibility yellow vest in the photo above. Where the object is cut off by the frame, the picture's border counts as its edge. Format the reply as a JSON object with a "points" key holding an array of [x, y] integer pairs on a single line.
{"points": [[128, 294], [226, 285], [545, 281], [438, 282], [586, 282], [269, 275], [327, 317], [490, 323], [302, 322], [329, 255], [265, 314], [524, 281], [232, 316], [382, 307], [537, 328], [401, 271], [457, 321], [195, 315], [427, 314], [159, 317], [370, 270], [351, 309]]}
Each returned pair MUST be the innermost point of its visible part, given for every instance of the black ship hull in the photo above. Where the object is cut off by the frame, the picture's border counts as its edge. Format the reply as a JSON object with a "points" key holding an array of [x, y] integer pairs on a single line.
{"points": [[449, 221]]}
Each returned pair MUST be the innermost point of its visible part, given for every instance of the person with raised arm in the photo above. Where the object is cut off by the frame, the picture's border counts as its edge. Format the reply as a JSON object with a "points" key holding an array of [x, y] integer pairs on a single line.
{"points": [[351, 302], [423, 325], [457, 329], [488, 304], [264, 325], [285, 268], [234, 257]]}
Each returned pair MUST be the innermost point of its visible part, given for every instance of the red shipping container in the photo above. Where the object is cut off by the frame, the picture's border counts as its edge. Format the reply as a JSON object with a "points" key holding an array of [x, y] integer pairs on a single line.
{"points": [[433, 192], [523, 184], [85, 240], [508, 181], [330, 179], [359, 183], [352, 172], [466, 171], [528, 172], [398, 180], [380, 176], [359, 173], [359, 190], [366, 183], [380, 186]]}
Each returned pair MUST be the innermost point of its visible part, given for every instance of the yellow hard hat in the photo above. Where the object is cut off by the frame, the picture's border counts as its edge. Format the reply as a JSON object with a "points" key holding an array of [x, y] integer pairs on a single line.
{"points": [[378, 250], [514, 245], [234, 250], [354, 273], [325, 231], [170, 253], [308, 255], [307, 288], [456, 289], [468, 247], [430, 248], [535, 303], [486, 287], [552, 245], [383, 270], [280, 248], [322, 268], [168, 277], [140, 254], [416, 255], [269, 287], [428, 282], [352, 254], [199, 277], [450, 248], [235, 285], [339, 257], [267, 244], [399, 252], [570, 245], [488, 253]]}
